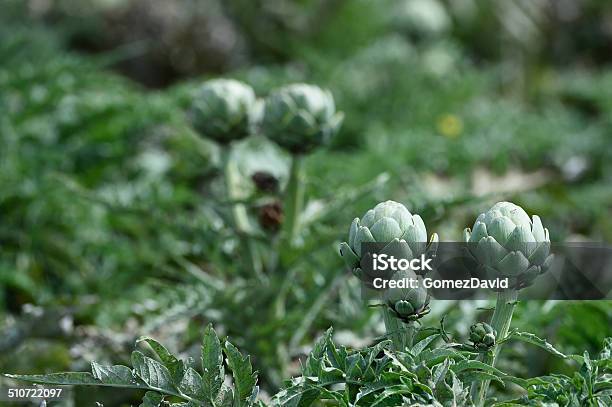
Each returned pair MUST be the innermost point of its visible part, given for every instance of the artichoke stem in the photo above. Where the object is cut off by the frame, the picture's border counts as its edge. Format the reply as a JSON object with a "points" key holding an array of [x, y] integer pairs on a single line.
{"points": [[294, 199], [239, 213], [400, 333], [502, 317]]}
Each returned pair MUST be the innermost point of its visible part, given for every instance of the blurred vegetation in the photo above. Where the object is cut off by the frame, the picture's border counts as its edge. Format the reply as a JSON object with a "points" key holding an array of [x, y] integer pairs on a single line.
{"points": [[108, 220]]}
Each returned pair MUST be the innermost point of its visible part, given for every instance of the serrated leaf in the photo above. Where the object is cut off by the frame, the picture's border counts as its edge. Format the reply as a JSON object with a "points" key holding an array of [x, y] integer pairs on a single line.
{"points": [[69, 378], [422, 344], [542, 343], [242, 372], [297, 396], [225, 398], [191, 383], [175, 366], [113, 374], [212, 364], [312, 365], [152, 372]]}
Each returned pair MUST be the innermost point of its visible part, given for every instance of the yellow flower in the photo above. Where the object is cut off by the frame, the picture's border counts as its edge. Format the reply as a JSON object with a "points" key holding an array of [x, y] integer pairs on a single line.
{"points": [[450, 125]]}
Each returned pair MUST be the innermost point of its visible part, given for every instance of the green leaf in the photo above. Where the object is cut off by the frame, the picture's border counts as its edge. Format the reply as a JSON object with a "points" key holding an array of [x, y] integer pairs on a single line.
{"points": [[175, 366], [113, 374], [191, 383], [213, 373], [313, 362], [69, 378], [422, 344], [302, 395], [245, 379], [151, 399], [542, 343], [153, 373]]}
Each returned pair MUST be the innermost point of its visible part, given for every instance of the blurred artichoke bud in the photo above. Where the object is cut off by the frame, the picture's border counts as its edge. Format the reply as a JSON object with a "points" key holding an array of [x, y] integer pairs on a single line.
{"points": [[224, 110], [408, 304], [482, 335], [507, 244], [389, 222], [300, 117]]}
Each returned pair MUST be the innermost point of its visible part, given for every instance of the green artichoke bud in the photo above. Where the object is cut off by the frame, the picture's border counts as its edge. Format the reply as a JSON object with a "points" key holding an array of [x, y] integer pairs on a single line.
{"points": [[508, 244], [300, 117], [388, 222], [408, 303], [224, 110], [482, 335]]}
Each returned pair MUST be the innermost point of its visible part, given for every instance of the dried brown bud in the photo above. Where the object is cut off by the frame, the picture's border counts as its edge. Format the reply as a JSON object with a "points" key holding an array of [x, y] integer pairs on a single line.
{"points": [[271, 216], [265, 182]]}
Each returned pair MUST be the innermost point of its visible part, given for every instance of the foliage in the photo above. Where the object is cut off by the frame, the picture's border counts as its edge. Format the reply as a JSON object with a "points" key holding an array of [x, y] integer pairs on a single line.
{"points": [[117, 217]]}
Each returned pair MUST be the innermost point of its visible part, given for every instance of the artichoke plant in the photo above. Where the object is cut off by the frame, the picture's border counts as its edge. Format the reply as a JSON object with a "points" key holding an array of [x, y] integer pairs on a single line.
{"points": [[391, 223], [407, 304], [482, 336], [300, 117], [506, 243], [224, 110]]}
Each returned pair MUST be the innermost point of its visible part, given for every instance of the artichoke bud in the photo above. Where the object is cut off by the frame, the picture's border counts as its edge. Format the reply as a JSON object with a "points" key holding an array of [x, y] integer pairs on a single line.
{"points": [[224, 110], [482, 335], [300, 117], [506, 243], [407, 303], [389, 222]]}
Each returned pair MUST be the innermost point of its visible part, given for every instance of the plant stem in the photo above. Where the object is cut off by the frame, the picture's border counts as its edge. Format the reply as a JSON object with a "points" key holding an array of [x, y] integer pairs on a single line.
{"points": [[239, 213], [400, 333], [294, 199], [502, 317]]}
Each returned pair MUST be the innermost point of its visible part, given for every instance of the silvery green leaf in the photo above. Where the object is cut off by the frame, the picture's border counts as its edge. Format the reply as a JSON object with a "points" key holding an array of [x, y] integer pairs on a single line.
{"points": [[152, 372], [479, 231], [501, 228], [513, 264], [175, 367], [548, 262], [245, 378], [420, 228], [212, 363], [467, 233], [363, 236], [487, 251], [353, 232], [191, 383], [516, 214], [402, 217], [522, 240], [491, 214], [385, 230], [116, 374], [539, 255], [398, 248], [410, 235], [538, 229], [369, 218], [350, 258]]}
